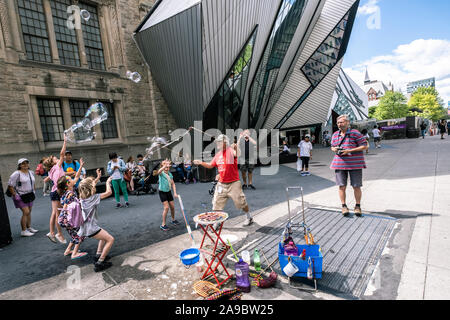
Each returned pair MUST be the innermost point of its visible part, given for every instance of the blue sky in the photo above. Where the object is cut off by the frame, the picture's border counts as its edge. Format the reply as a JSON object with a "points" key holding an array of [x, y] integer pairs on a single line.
{"points": [[401, 41]]}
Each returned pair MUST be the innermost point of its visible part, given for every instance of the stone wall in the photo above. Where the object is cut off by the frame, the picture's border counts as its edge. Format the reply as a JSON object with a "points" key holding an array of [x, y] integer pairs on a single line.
{"points": [[141, 110]]}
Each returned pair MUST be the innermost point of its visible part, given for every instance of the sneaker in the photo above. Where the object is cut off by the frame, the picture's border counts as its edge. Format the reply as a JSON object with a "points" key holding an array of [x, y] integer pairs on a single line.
{"points": [[100, 266], [164, 228], [303, 174], [32, 230], [118, 205], [61, 239], [358, 212], [195, 181], [175, 222], [252, 187], [345, 211], [307, 173], [51, 237], [26, 233], [248, 222], [127, 205], [244, 187]]}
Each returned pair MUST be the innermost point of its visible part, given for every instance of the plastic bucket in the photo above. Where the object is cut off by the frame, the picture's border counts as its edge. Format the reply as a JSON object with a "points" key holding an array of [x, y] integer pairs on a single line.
{"points": [[190, 256], [290, 269]]}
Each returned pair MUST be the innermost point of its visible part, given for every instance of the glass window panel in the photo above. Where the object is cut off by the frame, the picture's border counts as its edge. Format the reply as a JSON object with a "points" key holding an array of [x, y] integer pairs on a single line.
{"points": [[66, 38], [109, 126], [51, 119], [92, 38], [34, 30]]}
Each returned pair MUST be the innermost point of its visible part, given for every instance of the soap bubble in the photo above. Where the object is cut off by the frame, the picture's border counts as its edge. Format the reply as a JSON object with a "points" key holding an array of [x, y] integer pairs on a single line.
{"points": [[97, 113], [78, 133], [134, 76], [85, 15], [83, 130]]}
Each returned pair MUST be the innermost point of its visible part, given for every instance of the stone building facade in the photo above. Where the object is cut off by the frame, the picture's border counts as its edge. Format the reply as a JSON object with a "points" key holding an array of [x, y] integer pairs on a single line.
{"points": [[50, 74]]}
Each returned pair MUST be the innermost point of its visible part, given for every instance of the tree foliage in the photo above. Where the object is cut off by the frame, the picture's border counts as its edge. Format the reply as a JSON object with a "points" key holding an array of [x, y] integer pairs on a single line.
{"points": [[392, 106], [426, 103]]}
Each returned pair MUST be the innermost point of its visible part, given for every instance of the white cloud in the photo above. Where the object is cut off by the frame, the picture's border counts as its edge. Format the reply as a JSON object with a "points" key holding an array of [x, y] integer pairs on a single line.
{"points": [[417, 60], [369, 8]]}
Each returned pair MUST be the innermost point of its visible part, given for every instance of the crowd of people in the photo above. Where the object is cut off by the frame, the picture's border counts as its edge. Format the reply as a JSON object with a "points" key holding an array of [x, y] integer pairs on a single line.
{"points": [[74, 198]]}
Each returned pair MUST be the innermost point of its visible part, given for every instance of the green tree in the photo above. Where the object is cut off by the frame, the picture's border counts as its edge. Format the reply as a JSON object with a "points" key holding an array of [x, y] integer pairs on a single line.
{"points": [[392, 106], [372, 111], [426, 103]]}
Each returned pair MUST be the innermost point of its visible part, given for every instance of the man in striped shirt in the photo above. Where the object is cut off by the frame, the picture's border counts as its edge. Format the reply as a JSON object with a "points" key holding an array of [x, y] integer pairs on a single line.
{"points": [[349, 146]]}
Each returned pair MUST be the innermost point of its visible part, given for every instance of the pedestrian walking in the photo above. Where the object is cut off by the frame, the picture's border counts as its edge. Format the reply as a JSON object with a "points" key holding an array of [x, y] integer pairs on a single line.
{"points": [[66, 187], [349, 146], [229, 185], [442, 128], [247, 168], [116, 169], [166, 185], [366, 135], [377, 137], [90, 200], [304, 154], [21, 187], [423, 129], [55, 171]]}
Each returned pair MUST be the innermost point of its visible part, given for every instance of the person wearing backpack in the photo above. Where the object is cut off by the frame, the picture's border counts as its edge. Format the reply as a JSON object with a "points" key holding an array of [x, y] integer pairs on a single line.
{"points": [[71, 217]]}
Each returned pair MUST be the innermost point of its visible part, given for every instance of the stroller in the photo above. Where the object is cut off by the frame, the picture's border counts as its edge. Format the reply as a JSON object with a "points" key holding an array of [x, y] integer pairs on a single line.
{"points": [[145, 184]]}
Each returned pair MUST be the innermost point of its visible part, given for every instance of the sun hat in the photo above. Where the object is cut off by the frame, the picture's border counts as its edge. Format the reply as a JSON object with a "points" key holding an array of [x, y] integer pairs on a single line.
{"points": [[22, 160]]}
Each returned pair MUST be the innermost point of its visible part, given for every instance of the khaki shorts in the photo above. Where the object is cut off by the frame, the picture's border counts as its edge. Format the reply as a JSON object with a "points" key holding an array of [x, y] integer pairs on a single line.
{"points": [[224, 191]]}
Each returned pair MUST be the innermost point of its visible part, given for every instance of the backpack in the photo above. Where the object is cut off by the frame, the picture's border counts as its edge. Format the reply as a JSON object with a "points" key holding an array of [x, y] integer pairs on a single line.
{"points": [[75, 214]]}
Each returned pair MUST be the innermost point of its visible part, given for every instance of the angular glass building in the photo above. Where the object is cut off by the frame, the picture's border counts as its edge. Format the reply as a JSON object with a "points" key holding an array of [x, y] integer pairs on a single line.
{"points": [[247, 63]]}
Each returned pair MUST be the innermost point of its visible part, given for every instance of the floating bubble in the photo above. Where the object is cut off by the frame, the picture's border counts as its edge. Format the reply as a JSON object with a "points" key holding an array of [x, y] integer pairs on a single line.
{"points": [[78, 133], [97, 113], [85, 15], [134, 76], [83, 130]]}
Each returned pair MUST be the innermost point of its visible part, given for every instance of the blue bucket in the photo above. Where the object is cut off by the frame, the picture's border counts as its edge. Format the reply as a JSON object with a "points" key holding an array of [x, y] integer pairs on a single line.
{"points": [[194, 256]]}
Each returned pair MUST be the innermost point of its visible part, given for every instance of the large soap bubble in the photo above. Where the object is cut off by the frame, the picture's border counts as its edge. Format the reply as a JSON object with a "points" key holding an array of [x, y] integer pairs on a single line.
{"points": [[134, 76], [97, 113], [78, 133], [83, 130], [85, 15]]}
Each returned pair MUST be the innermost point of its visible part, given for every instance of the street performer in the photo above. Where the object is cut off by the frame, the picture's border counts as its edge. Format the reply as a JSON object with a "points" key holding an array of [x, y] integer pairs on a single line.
{"points": [[229, 185]]}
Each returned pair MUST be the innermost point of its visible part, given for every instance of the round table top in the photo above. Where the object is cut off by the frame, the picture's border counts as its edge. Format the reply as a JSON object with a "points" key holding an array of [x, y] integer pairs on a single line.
{"points": [[209, 218]]}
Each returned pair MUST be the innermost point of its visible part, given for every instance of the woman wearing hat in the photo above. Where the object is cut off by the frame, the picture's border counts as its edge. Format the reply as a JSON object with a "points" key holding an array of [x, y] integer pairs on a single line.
{"points": [[22, 188]]}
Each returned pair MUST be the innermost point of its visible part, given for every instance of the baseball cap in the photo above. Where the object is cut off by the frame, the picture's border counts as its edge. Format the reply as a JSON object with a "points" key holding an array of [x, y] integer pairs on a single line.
{"points": [[22, 160], [68, 152], [308, 136]]}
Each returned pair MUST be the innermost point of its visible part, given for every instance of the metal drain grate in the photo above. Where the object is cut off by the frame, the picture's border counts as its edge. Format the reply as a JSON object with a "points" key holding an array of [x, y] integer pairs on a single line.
{"points": [[351, 246]]}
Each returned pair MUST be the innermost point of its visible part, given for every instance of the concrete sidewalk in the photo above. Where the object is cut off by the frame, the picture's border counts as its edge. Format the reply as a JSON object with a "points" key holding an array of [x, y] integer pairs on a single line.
{"points": [[407, 179]]}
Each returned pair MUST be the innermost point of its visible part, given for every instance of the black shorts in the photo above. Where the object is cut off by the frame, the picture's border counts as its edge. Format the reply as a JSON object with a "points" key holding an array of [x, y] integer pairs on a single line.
{"points": [[54, 196], [95, 233], [165, 196]]}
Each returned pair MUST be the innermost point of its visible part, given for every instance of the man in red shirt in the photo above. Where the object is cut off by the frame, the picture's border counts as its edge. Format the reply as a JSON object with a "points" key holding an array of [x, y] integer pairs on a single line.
{"points": [[229, 186]]}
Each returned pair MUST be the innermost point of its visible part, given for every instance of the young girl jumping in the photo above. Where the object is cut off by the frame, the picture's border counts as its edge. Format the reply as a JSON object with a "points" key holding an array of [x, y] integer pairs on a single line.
{"points": [[55, 171], [66, 188], [166, 184], [89, 205]]}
